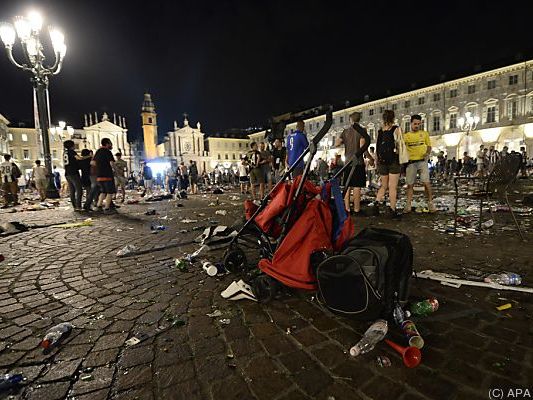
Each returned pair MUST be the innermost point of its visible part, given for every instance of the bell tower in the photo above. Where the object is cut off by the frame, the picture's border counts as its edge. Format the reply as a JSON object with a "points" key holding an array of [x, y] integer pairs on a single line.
{"points": [[149, 124]]}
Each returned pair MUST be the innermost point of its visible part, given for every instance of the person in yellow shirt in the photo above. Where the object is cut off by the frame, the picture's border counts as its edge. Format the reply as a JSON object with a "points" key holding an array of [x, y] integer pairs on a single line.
{"points": [[419, 148]]}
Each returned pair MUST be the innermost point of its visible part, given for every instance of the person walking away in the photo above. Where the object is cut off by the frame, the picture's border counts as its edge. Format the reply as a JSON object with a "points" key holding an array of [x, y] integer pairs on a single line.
{"points": [[243, 175], [172, 180], [266, 165], [419, 148], [279, 156], [120, 171], [184, 176], [38, 175], [9, 173], [103, 160], [256, 174], [493, 156], [388, 161], [523, 163], [193, 174], [94, 192], [147, 178], [296, 145], [72, 173], [85, 168], [370, 165], [355, 138]]}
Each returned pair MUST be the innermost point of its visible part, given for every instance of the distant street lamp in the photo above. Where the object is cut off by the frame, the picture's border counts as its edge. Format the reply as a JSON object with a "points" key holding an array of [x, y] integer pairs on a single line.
{"points": [[467, 124], [28, 31]]}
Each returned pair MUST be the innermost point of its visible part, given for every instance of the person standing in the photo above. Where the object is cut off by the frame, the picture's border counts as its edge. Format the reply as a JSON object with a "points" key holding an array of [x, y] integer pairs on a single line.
{"points": [[184, 176], [523, 162], [370, 161], [256, 174], [388, 161], [147, 178], [505, 152], [38, 175], [419, 148], [296, 144], [243, 175], [322, 169], [9, 173], [193, 174], [103, 160], [493, 156], [480, 161], [72, 173], [120, 171], [85, 168], [266, 162], [356, 141], [279, 156]]}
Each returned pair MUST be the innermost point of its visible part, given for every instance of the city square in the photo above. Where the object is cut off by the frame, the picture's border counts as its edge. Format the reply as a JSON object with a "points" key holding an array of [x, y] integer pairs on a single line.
{"points": [[153, 250]]}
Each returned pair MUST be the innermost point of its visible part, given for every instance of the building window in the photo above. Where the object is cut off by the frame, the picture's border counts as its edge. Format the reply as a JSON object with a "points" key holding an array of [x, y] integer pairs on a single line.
{"points": [[453, 120], [380, 110], [54, 154], [219, 156], [491, 84], [407, 104], [421, 100], [491, 114], [226, 156], [453, 93], [371, 133], [149, 120], [10, 136], [341, 119], [471, 89], [513, 79], [436, 123], [512, 109], [234, 157], [436, 97], [317, 125], [371, 112], [394, 107], [24, 137], [26, 154], [406, 126]]}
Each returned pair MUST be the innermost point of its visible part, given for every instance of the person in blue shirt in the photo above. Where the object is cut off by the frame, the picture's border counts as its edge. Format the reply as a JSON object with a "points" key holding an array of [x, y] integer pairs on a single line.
{"points": [[296, 144]]}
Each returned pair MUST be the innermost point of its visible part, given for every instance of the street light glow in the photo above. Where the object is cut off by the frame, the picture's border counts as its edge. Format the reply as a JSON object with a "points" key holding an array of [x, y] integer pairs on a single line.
{"points": [[23, 28], [62, 124], [35, 20], [57, 38], [7, 34]]}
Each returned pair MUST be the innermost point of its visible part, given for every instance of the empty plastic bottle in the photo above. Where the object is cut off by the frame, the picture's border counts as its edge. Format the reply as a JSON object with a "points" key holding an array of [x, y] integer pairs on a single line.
{"points": [[372, 336], [505, 278], [7, 381], [54, 335], [425, 307]]}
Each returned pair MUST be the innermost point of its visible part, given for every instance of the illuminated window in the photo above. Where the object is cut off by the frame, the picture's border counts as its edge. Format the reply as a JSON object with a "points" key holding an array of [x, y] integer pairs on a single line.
{"points": [[491, 114], [436, 123], [54, 154], [453, 120], [10, 136], [24, 137], [394, 107]]}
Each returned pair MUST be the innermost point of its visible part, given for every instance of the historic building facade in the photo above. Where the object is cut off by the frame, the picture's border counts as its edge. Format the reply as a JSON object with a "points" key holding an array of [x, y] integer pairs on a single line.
{"points": [[502, 99], [149, 126], [3, 135]]}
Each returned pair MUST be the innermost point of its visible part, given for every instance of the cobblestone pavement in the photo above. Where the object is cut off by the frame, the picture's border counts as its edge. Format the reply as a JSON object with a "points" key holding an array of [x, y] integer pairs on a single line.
{"points": [[287, 349]]}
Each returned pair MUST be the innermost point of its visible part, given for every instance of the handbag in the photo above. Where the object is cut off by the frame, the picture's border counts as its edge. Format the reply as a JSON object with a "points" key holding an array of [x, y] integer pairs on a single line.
{"points": [[401, 148]]}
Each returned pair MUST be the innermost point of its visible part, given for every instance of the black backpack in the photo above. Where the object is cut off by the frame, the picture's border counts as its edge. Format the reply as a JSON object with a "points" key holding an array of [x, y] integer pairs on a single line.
{"points": [[369, 277], [386, 147], [15, 171]]}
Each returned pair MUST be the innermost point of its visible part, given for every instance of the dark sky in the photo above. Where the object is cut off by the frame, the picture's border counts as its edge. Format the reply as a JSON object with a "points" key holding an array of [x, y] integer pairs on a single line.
{"points": [[235, 63]]}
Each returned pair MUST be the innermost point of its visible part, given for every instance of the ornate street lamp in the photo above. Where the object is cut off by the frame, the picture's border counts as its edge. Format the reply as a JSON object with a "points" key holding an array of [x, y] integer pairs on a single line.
{"points": [[467, 124], [28, 31]]}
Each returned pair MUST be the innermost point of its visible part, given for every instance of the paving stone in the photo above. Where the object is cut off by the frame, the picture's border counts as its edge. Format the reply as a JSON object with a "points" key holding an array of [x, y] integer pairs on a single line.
{"points": [[172, 375], [110, 341], [183, 391], [136, 376], [51, 391], [98, 358], [135, 356], [61, 370], [101, 378]]}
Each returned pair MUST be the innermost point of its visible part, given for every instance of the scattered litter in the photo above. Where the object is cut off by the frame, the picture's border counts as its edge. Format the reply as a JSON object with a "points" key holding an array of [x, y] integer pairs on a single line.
{"points": [[8, 381], [193, 256], [138, 338], [181, 265], [487, 224], [210, 269], [504, 307], [86, 222], [288, 331], [216, 237], [200, 215], [211, 204], [238, 291], [425, 307], [56, 334], [234, 198], [383, 361], [230, 354], [373, 335], [9, 228], [505, 278], [189, 221], [216, 313], [225, 321], [221, 212], [128, 249], [411, 355], [156, 227], [151, 212], [86, 378]]}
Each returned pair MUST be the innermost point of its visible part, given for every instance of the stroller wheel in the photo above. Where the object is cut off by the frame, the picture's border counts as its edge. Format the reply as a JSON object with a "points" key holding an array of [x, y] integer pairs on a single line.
{"points": [[235, 260], [265, 288]]}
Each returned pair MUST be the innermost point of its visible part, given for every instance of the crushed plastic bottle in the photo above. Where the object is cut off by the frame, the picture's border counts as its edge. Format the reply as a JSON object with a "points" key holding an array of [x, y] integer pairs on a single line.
{"points": [[505, 278], [425, 307], [7, 381], [487, 224], [55, 334], [372, 336]]}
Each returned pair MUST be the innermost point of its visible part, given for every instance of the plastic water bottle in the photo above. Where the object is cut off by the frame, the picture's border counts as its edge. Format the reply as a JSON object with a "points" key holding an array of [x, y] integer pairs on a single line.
{"points": [[55, 334], [372, 336], [505, 278], [7, 381], [426, 307]]}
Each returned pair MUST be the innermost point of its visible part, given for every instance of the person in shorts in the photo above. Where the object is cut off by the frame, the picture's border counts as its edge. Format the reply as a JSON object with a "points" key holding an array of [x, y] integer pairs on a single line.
{"points": [[121, 171], [419, 148], [266, 167], [256, 173], [243, 175], [38, 176], [103, 160], [354, 138]]}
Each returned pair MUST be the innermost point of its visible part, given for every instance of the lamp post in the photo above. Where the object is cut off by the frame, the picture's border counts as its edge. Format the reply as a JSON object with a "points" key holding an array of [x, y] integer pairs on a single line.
{"points": [[467, 124], [28, 31]]}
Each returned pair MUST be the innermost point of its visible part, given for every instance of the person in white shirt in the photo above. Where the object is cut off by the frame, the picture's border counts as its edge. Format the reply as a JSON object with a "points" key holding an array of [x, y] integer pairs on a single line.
{"points": [[38, 175], [9, 174], [243, 175]]}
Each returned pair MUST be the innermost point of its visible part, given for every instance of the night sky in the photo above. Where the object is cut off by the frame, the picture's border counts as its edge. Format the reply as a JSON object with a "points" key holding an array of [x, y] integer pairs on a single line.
{"points": [[233, 64]]}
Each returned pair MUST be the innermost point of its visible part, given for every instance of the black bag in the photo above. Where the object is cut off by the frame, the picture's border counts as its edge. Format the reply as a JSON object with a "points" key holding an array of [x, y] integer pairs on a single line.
{"points": [[15, 171], [370, 275], [386, 147]]}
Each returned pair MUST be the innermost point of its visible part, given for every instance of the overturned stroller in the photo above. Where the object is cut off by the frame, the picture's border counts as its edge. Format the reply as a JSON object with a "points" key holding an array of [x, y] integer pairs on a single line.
{"points": [[305, 240]]}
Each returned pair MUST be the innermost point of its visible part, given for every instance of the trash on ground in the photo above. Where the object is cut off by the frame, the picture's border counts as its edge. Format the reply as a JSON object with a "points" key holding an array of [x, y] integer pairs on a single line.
{"points": [[191, 257], [157, 227], [151, 212], [9, 228], [505, 278], [8, 381], [216, 237], [383, 361], [221, 212], [86, 378], [181, 264], [216, 313], [234, 198], [55, 334], [376, 333], [225, 321], [504, 307], [138, 338], [189, 221], [487, 224], [411, 355], [128, 249], [425, 307], [238, 291], [411, 333], [210, 269]]}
